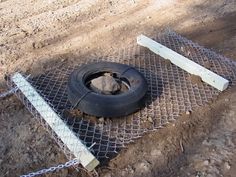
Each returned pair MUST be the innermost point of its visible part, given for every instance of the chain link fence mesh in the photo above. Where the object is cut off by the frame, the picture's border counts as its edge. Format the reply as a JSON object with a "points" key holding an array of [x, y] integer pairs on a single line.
{"points": [[171, 92]]}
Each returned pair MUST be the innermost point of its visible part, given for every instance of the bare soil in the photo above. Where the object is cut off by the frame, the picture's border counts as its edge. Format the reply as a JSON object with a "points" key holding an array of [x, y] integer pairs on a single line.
{"points": [[38, 34]]}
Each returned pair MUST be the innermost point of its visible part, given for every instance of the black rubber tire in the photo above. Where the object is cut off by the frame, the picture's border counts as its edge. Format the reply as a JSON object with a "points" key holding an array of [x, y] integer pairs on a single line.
{"points": [[107, 105]]}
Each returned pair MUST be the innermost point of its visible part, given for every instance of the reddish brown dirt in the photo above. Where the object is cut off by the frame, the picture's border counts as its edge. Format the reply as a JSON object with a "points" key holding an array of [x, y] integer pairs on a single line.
{"points": [[35, 35]]}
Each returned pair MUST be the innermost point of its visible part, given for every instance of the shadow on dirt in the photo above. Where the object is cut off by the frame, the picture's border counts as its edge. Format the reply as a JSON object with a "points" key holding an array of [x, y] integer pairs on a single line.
{"points": [[176, 144]]}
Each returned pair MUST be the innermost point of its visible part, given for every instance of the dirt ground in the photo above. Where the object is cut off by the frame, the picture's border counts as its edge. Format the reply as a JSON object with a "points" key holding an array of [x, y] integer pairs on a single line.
{"points": [[37, 34]]}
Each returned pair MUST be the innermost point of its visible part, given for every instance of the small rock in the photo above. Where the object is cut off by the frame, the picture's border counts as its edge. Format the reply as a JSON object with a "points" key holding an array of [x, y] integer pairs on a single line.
{"points": [[182, 49], [227, 166], [142, 166], [188, 112], [37, 45], [188, 53], [101, 120], [105, 84], [150, 119], [206, 162]]}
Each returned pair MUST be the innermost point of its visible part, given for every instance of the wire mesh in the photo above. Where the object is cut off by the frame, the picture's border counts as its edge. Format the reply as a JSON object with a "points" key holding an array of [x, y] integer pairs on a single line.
{"points": [[171, 92]]}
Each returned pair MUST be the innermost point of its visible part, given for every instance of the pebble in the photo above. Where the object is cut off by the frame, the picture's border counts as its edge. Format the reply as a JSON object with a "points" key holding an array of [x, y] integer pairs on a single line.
{"points": [[206, 162], [37, 45], [101, 120], [188, 112], [227, 166], [150, 119], [142, 166], [188, 53]]}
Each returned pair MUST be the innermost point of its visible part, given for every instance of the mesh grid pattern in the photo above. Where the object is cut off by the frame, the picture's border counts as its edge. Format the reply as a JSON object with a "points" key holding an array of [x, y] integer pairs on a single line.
{"points": [[171, 93]]}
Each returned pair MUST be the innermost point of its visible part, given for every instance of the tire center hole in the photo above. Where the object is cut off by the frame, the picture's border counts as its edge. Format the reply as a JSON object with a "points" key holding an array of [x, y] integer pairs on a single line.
{"points": [[107, 83]]}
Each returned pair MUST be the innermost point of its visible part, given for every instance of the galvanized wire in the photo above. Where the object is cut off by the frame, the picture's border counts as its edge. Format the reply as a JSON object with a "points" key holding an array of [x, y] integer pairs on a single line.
{"points": [[171, 92], [8, 92]]}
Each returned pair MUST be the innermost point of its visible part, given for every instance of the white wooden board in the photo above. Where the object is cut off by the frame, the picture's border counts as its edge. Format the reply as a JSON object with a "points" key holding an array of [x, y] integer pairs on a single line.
{"points": [[186, 64], [67, 136]]}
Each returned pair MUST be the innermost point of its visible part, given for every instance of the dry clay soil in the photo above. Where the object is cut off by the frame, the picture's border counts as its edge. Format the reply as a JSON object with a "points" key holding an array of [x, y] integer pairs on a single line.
{"points": [[37, 34]]}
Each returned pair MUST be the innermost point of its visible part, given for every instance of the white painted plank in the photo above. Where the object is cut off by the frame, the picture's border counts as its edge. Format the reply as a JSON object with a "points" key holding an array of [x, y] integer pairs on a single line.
{"points": [[186, 64], [55, 122]]}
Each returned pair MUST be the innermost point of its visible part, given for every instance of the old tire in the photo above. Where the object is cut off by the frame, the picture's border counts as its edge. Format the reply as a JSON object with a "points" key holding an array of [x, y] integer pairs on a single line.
{"points": [[97, 104]]}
